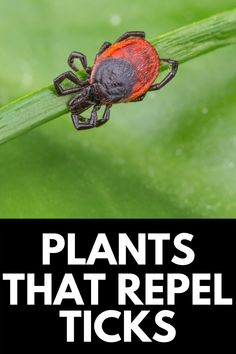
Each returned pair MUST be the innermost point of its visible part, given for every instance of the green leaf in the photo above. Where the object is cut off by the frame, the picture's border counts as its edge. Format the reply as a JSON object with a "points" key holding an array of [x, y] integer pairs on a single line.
{"points": [[170, 156]]}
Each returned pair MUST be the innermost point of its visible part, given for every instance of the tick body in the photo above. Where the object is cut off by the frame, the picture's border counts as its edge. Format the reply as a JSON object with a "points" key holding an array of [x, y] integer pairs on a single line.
{"points": [[122, 72], [127, 69]]}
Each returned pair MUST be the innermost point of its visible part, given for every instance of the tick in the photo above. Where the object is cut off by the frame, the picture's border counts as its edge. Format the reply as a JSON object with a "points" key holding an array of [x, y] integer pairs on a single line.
{"points": [[122, 72]]}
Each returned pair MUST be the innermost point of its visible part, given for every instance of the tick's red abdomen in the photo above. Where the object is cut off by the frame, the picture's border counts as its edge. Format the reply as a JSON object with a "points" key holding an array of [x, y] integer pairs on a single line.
{"points": [[143, 58]]}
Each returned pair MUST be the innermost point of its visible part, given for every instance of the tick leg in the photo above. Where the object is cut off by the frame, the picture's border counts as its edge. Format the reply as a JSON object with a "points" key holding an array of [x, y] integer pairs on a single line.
{"points": [[126, 35], [174, 67], [105, 117], [71, 77], [77, 55], [102, 49], [77, 119], [138, 99], [79, 104], [90, 123]]}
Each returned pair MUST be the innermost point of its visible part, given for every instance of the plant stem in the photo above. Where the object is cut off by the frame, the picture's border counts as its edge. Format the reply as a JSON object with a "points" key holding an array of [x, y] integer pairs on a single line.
{"points": [[198, 38], [182, 44]]}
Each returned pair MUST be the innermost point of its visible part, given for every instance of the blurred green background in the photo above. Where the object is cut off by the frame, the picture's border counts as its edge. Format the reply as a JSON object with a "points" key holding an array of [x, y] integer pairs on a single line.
{"points": [[173, 155]]}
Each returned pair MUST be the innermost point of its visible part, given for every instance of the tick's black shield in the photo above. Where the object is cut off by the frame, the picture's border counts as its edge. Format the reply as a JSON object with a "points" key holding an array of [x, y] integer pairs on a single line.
{"points": [[117, 77]]}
